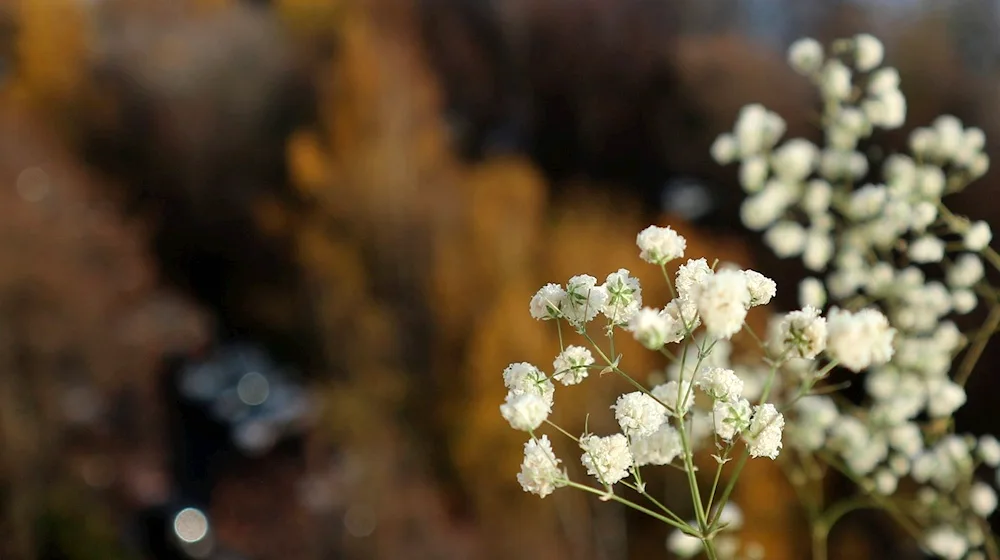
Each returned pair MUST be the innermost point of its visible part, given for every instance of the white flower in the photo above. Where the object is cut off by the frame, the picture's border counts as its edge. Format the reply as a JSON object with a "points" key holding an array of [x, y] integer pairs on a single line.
{"points": [[859, 340], [624, 297], [926, 249], [524, 378], [964, 301], [989, 450], [887, 110], [684, 545], [817, 198], [786, 239], [946, 397], [540, 472], [983, 499], [584, 300], [819, 250], [606, 458], [659, 245], [721, 384], [907, 439], [546, 302], [883, 80], [923, 215], [949, 135], [805, 56], [867, 202], [816, 413], [639, 414], [946, 543], [764, 438], [689, 275], [753, 173], [722, 302], [835, 82], [761, 288], [525, 411], [923, 142], [667, 393], [757, 129], [868, 52], [795, 159], [681, 316], [731, 418], [967, 270], [570, 366], [802, 334], [658, 448], [812, 293], [650, 327], [725, 149], [885, 482], [978, 236]]}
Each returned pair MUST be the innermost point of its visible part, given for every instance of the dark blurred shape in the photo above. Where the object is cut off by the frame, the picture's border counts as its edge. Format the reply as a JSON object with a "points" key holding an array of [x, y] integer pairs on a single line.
{"points": [[191, 111]]}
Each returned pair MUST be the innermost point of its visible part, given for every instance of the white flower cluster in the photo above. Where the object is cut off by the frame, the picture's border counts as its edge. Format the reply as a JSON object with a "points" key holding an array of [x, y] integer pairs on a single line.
{"points": [[890, 242]]}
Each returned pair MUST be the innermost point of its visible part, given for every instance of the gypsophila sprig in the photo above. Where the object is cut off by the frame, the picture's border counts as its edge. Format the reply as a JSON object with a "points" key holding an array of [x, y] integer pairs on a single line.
{"points": [[894, 264], [891, 263]]}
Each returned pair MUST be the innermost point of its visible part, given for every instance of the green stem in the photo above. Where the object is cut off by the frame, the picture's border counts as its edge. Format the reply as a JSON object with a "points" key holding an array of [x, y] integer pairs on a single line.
{"points": [[730, 485], [976, 350], [609, 496]]}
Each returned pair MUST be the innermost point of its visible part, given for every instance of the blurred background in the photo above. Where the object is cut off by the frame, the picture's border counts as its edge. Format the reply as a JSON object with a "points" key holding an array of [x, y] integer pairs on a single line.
{"points": [[262, 262]]}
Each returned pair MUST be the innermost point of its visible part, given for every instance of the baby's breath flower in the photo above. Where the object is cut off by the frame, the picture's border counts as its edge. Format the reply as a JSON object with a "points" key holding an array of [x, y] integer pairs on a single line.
{"points": [[859, 340], [805, 56], [815, 415], [639, 414], [819, 250], [978, 236], [571, 365], [540, 472], [624, 297], [725, 149], [802, 334], [812, 293], [887, 110], [606, 458], [721, 384], [524, 378], [867, 202], [868, 52], [883, 80], [989, 450], [761, 288], [983, 499], [722, 301], [667, 394], [684, 545], [660, 245], [964, 301], [817, 198], [794, 160], [885, 481], [835, 82], [946, 542], [689, 275], [546, 303], [584, 300], [757, 129], [907, 439], [926, 249], [753, 173], [681, 316], [731, 417], [946, 397], [786, 239], [658, 448], [764, 437], [525, 411], [650, 327]]}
